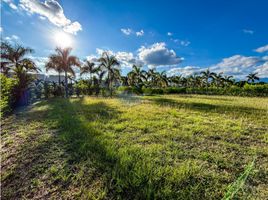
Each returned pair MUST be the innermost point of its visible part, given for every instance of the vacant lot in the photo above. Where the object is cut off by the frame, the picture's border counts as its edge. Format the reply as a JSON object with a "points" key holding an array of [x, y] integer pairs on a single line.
{"points": [[159, 147]]}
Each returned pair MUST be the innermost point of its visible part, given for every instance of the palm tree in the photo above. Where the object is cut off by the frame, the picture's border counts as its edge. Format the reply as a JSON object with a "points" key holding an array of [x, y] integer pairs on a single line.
{"points": [[218, 79], [136, 76], [65, 61], [89, 68], [151, 77], [228, 80], [175, 80], [207, 75], [13, 60], [98, 81], [162, 79], [109, 63], [124, 80], [183, 82], [252, 77], [51, 65]]}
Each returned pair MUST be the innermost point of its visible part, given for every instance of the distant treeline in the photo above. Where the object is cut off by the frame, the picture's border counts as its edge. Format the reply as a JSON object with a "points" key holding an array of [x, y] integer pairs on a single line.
{"points": [[19, 85]]}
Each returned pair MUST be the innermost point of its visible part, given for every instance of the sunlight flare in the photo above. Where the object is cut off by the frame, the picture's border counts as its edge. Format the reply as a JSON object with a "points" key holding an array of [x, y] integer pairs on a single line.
{"points": [[63, 40]]}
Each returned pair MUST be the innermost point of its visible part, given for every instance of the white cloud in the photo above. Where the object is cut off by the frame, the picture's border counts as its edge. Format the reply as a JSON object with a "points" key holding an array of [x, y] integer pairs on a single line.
{"points": [[126, 31], [155, 55], [184, 43], [126, 59], [238, 66], [262, 70], [12, 38], [73, 28], [158, 55], [11, 4], [129, 31], [265, 58], [40, 63], [262, 49], [140, 33], [53, 11], [169, 34], [42, 18], [248, 31], [1, 29], [239, 60], [184, 71]]}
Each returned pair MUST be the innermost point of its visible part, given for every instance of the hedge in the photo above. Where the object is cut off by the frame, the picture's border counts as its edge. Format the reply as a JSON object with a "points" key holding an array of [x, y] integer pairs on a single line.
{"points": [[8, 86], [246, 90]]}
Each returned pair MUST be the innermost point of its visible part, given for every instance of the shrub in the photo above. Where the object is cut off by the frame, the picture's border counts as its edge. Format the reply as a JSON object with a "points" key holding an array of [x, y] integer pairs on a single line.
{"points": [[174, 90], [246, 90], [255, 90], [151, 91], [130, 90], [81, 87], [8, 86]]}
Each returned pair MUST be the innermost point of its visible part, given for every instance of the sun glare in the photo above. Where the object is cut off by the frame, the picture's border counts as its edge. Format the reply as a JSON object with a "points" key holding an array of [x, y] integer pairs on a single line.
{"points": [[63, 40]]}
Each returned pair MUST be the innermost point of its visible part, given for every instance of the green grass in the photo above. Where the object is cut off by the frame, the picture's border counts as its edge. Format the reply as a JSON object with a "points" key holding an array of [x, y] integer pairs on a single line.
{"points": [[157, 147]]}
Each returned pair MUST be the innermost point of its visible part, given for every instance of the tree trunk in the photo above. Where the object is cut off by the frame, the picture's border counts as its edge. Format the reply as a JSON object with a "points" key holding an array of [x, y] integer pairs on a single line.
{"points": [[66, 85], [59, 78], [110, 85], [111, 89]]}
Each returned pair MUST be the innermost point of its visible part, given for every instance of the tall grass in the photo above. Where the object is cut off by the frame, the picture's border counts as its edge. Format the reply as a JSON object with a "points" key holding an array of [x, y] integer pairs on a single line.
{"points": [[234, 188]]}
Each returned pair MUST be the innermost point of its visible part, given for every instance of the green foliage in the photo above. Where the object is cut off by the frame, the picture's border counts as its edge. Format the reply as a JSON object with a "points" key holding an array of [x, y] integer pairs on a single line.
{"points": [[82, 87], [246, 90], [8, 86], [129, 90], [239, 183], [152, 91], [175, 90]]}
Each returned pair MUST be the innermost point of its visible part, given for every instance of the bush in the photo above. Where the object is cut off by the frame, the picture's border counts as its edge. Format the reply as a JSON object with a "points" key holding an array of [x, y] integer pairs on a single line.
{"points": [[246, 90], [8, 86], [81, 87], [255, 90], [151, 91], [174, 90], [129, 90]]}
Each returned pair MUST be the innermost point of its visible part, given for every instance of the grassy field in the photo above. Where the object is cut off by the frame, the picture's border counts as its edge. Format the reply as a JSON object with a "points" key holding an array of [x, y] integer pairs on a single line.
{"points": [[157, 147]]}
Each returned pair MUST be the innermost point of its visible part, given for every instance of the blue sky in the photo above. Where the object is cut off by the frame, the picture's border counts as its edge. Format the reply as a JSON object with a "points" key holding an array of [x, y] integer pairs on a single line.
{"points": [[181, 37]]}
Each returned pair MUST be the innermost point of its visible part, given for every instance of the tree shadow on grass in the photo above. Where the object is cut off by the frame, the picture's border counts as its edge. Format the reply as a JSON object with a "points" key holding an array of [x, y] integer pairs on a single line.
{"points": [[210, 108], [48, 162], [69, 157], [207, 97]]}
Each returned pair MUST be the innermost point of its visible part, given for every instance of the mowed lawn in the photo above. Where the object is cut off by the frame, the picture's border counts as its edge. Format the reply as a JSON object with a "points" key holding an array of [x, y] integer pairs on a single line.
{"points": [[156, 147]]}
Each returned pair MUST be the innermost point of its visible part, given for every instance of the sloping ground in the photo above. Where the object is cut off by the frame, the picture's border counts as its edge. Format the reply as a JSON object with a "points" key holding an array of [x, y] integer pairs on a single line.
{"points": [[162, 147]]}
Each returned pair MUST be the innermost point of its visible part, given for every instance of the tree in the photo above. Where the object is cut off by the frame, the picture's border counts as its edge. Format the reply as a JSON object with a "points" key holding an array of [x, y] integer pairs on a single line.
{"points": [[109, 63], [65, 61], [151, 77], [228, 80], [14, 62], [52, 65], [98, 81], [252, 77], [162, 79], [136, 76], [175, 80], [218, 80], [89, 68], [207, 75]]}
